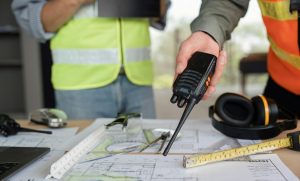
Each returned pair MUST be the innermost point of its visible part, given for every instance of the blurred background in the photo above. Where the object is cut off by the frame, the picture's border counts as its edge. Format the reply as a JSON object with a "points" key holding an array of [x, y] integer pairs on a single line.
{"points": [[249, 37], [25, 63]]}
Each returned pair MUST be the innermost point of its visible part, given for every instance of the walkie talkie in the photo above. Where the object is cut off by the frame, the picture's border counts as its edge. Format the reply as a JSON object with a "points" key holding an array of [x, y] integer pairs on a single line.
{"points": [[190, 86]]}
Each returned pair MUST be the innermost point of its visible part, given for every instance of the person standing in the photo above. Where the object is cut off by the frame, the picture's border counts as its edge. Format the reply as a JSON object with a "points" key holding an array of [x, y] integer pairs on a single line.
{"points": [[101, 66], [216, 21]]}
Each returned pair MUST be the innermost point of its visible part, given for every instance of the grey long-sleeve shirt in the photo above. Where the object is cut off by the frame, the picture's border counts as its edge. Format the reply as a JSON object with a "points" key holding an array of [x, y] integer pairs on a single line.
{"points": [[28, 15], [218, 18]]}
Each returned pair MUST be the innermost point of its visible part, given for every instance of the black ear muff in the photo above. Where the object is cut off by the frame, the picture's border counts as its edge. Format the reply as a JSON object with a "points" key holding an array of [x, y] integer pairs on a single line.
{"points": [[266, 110], [239, 117], [234, 109]]}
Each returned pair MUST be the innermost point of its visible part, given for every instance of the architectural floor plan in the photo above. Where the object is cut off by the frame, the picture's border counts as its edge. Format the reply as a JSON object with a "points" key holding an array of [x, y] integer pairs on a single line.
{"points": [[158, 168], [194, 138]]}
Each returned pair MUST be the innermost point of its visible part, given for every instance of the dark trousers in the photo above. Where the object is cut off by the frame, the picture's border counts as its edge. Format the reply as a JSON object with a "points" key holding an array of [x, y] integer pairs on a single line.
{"points": [[282, 97]]}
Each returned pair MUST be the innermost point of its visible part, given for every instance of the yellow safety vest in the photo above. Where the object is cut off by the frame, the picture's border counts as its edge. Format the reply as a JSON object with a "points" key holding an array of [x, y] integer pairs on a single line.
{"points": [[88, 51]]}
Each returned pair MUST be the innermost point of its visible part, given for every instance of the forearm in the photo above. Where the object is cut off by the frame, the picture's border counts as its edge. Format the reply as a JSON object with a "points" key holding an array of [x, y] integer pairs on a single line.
{"points": [[56, 13], [218, 18]]}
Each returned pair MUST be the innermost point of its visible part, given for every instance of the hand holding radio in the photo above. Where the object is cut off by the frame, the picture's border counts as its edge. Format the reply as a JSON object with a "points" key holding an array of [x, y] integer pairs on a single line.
{"points": [[202, 42], [191, 85]]}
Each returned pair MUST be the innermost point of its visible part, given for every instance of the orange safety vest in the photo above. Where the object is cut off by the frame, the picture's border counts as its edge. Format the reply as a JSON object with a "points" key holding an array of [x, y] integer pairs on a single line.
{"points": [[282, 29]]}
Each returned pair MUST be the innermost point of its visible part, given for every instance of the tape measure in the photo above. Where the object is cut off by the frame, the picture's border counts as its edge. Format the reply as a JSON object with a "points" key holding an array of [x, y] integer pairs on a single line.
{"points": [[291, 141]]}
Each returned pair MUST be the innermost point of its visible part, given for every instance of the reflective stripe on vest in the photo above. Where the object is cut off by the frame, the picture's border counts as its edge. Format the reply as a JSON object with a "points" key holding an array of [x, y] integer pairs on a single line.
{"points": [[88, 52], [81, 56], [137, 54], [277, 10], [294, 60], [99, 56], [282, 30]]}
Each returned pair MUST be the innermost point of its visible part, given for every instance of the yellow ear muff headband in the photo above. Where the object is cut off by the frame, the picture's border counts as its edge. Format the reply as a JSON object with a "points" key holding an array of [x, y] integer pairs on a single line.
{"points": [[267, 110]]}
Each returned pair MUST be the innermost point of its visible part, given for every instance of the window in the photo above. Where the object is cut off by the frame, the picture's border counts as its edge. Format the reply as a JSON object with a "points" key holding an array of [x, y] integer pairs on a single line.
{"points": [[248, 37]]}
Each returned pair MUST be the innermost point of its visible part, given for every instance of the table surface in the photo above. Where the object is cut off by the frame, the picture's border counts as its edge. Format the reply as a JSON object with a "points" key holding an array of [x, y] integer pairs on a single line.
{"points": [[289, 157]]}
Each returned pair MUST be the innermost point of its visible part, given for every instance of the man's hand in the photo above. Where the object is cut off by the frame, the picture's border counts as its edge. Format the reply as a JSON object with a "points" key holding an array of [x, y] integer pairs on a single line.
{"points": [[200, 41], [56, 13]]}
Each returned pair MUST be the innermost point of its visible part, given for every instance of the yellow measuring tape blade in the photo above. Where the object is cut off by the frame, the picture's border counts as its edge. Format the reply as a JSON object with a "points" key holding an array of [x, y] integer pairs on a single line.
{"points": [[202, 159]]}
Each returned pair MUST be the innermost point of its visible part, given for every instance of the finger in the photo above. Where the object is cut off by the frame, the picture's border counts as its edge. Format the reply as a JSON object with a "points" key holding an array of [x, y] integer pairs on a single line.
{"points": [[185, 53], [209, 92], [221, 62]]}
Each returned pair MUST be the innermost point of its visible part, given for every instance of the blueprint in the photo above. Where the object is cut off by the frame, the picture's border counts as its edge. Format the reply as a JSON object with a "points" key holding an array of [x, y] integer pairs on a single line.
{"points": [[195, 137], [199, 138], [113, 159], [56, 141], [267, 167]]}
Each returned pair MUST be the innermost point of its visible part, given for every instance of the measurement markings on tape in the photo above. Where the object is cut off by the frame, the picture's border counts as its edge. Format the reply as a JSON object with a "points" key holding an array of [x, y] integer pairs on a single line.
{"points": [[292, 141]]}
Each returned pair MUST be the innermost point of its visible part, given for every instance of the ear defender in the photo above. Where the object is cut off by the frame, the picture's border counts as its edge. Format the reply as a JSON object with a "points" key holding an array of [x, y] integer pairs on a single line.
{"points": [[266, 110], [238, 110], [234, 109], [243, 118]]}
